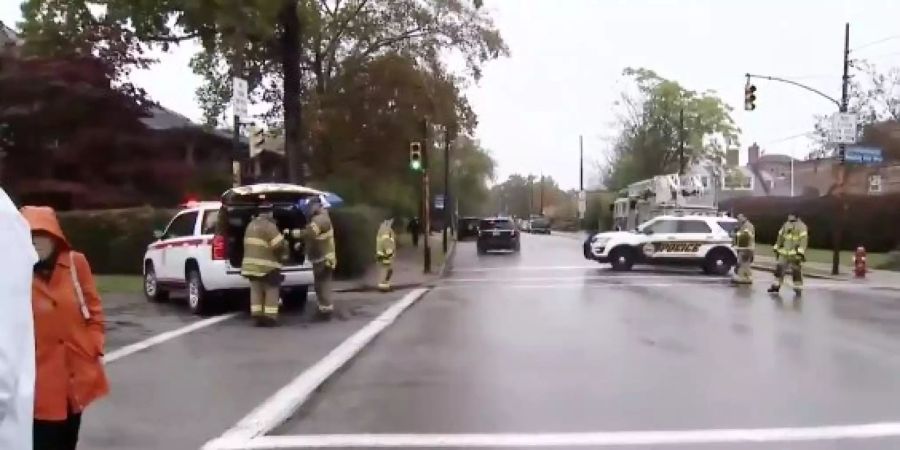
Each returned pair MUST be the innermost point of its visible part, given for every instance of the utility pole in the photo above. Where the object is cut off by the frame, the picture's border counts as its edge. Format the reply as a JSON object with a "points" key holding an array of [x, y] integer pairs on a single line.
{"points": [[448, 217], [530, 194], [541, 211], [842, 170], [580, 163], [582, 196], [426, 198], [237, 67], [681, 141]]}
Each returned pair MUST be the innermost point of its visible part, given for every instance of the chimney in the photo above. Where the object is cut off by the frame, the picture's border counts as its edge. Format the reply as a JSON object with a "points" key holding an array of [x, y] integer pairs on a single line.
{"points": [[753, 154]]}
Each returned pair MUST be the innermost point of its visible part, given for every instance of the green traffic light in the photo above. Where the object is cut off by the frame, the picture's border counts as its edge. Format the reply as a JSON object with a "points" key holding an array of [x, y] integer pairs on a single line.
{"points": [[415, 165]]}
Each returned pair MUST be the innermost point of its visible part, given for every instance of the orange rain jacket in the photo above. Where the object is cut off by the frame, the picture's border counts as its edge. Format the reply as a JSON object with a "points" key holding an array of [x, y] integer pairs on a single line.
{"points": [[69, 335]]}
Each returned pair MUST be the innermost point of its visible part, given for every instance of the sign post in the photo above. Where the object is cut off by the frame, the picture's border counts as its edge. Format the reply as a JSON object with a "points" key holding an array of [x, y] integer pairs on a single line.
{"points": [[239, 110], [843, 128], [582, 203]]}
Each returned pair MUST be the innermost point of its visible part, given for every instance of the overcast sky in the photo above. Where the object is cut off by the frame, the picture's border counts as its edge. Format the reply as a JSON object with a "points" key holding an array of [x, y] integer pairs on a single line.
{"points": [[568, 55]]}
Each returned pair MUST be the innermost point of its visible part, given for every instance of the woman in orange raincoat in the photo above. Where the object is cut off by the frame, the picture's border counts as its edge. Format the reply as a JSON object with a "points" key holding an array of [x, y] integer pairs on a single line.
{"points": [[69, 336]]}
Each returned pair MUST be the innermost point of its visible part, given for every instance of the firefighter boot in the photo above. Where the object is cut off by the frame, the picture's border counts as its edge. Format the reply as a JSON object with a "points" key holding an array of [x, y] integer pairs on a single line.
{"points": [[774, 289]]}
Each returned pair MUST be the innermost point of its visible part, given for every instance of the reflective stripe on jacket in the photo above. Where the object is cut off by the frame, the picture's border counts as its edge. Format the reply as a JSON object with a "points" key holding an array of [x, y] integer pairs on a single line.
{"points": [[319, 236], [792, 239], [385, 246], [264, 248]]}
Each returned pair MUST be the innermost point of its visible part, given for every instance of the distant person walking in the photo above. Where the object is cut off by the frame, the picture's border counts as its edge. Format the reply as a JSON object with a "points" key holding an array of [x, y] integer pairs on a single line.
{"points": [[385, 246], [69, 334], [17, 358], [414, 227]]}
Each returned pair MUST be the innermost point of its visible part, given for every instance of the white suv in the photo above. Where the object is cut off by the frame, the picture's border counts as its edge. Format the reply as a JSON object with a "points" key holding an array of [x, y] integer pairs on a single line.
{"points": [[190, 255], [691, 240]]}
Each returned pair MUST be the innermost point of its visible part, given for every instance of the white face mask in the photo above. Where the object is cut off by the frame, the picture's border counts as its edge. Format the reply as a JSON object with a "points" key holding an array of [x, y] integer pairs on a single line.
{"points": [[44, 246]]}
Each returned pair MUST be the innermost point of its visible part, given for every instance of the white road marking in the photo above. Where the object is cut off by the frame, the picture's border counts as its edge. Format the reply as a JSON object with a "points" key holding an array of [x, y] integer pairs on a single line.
{"points": [[280, 406], [573, 285], [127, 350], [585, 277], [527, 268], [590, 439]]}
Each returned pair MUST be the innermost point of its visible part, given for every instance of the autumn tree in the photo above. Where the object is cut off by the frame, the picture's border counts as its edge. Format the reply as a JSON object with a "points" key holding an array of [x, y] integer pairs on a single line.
{"points": [[520, 195], [650, 131]]}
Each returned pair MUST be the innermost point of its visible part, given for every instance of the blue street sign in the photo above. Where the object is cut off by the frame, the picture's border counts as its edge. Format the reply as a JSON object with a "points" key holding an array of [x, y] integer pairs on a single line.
{"points": [[863, 155]]}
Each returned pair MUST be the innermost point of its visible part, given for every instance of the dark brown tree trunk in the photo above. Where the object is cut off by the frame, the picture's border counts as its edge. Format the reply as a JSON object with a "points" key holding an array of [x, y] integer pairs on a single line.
{"points": [[290, 61]]}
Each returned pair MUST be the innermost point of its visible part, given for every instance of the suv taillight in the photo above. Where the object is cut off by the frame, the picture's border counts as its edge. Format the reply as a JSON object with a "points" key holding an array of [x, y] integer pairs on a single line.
{"points": [[218, 247]]}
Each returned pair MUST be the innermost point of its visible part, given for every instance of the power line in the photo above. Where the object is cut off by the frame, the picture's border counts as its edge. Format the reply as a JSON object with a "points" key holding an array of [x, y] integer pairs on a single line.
{"points": [[788, 138], [889, 38], [884, 55]]}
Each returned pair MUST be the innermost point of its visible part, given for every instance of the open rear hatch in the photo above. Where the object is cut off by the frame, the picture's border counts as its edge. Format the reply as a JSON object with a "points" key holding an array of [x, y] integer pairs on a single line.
{"points": [[241, 204]]}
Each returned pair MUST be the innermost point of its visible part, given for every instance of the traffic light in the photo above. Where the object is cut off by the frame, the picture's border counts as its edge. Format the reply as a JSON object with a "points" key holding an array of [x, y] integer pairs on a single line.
{"points": [[415, 156], [749, 97]]}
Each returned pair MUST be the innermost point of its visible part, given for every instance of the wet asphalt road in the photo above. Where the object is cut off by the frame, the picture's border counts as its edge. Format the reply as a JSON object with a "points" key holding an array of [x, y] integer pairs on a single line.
{"points": [[546, 342], [183, 392]]}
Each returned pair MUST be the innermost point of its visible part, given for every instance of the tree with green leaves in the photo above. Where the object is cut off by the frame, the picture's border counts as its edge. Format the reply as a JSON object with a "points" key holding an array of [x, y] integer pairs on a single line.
{"points": [[291, 50], [650, 122]]}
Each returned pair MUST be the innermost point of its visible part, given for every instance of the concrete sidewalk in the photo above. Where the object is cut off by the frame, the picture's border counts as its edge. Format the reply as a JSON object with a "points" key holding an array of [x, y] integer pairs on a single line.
{"points": [[820, 270], [408, 267]]}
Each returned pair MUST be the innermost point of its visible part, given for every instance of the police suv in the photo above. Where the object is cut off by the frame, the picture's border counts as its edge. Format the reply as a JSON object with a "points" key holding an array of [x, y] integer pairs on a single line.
{"points": [[683, 240], [201, 249]]}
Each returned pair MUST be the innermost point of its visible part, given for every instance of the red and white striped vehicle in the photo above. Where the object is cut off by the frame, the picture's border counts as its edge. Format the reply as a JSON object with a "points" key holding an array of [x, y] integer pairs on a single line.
{"points": [[200, 252]]}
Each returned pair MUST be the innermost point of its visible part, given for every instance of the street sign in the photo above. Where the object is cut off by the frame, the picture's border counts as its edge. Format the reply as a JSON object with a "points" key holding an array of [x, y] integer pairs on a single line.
{"points": [[239, 98], [843, 128], [582, 203], [438, 202], [863, 155]]}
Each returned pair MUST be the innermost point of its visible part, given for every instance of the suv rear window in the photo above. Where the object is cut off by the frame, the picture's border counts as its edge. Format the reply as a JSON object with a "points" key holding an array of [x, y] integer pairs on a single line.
{"points": [[496, 225], [728, 226]]}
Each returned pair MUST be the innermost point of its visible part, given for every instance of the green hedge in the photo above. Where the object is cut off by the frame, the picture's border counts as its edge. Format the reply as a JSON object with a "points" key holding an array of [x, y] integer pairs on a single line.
{"points": [[354, 233], [114, 240], [871, 221]]}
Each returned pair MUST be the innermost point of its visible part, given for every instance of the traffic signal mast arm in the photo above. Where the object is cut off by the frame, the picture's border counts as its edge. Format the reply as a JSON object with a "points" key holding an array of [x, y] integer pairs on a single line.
{"points": [[800, 85]]}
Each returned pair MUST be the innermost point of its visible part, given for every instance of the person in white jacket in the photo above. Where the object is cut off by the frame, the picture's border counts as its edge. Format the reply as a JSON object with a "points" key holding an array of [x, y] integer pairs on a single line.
{"points": [[16, 329]]}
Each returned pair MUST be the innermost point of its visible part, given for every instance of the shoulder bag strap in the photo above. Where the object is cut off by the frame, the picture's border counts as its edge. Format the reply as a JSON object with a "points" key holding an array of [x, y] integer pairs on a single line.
{"points": [[78, 292]]}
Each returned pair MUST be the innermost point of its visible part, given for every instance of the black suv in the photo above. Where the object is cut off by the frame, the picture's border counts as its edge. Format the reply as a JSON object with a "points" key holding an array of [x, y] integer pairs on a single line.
{"points": [[497, 234]]}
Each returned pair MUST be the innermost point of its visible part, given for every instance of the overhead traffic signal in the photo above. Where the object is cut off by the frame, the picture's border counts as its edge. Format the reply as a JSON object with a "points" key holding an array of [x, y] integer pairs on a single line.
{"points": [[415, 156], [749, 97]]}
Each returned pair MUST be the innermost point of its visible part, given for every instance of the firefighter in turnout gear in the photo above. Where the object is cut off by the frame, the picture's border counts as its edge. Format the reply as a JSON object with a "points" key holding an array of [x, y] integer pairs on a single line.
{"points": [[790, 251], [385, 246], [320, 249], [264, 249], [744, 245]]}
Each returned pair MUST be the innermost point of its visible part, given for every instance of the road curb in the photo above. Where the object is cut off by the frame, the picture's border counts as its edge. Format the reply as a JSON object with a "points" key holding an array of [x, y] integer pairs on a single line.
{"points": [[768, 268], [448, 259], [283, 404]]}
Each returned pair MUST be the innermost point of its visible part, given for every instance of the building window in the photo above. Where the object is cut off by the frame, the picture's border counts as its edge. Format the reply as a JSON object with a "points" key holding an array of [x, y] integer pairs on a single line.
{"points": [[874, 184]]}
